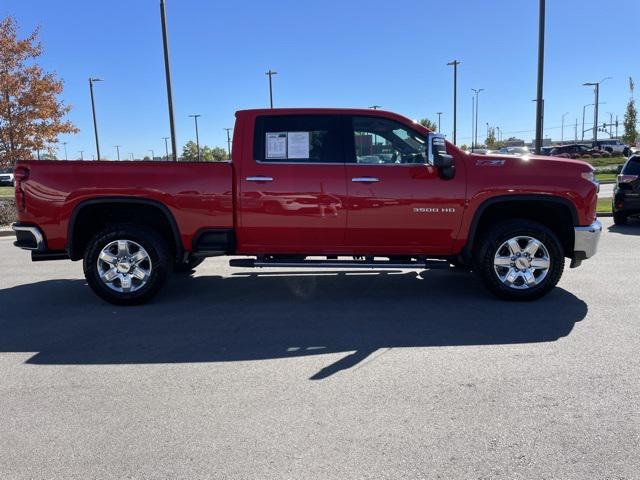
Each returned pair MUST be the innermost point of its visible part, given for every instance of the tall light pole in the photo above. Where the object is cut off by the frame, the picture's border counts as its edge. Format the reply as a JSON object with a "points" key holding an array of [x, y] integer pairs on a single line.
{"points": [[195, 118], [541, 120], [473, 119], [65, 150], [166, 147], [596, 88], [228, 141], [584, 107], [499, 134], [131, 155], [477, 94], [167, 72], [610, 124], [575, 131], [153, 155], [93, 108], [455, 64], [439, 115], [81, 152], [117, 147], [539, 96], [271, 73], [562, 128], [487, 132]]}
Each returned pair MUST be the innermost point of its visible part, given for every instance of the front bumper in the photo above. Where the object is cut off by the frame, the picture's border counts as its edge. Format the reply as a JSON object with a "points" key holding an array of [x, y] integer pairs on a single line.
{"points": [[586, 242]]}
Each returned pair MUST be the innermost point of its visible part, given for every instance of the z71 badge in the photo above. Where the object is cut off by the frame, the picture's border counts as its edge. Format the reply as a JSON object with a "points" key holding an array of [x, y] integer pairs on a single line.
{"points": [[433, 210]]}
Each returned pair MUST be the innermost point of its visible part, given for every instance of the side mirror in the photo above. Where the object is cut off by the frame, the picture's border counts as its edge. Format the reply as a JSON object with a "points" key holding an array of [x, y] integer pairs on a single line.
{"points": [[439, 157]]}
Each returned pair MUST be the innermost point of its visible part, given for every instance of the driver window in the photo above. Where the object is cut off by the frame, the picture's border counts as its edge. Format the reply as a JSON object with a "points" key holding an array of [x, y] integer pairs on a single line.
{"points": [[382, 141]]}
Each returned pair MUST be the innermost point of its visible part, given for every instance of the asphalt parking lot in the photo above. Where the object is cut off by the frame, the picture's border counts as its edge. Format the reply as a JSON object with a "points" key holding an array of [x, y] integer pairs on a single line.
{"points": [[276, 374]]}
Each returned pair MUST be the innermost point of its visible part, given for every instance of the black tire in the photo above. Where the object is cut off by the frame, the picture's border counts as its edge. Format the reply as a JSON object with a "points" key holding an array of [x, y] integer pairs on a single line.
{"points": [[619, 218], [158, 267], [496, 236], [187, 267]]}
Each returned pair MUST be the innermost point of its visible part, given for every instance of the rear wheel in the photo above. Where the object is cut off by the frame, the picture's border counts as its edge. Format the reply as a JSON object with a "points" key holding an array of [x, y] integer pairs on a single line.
{"points": [[520, 260], [126, 264]]}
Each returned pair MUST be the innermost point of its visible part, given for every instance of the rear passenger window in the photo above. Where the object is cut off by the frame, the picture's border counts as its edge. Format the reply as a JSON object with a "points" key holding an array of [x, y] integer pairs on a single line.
{"points": [[632, 167], [298, 138]]}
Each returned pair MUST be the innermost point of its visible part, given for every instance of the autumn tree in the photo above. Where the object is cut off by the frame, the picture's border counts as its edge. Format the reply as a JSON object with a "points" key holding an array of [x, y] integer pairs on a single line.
{"points": [[31, 116]]}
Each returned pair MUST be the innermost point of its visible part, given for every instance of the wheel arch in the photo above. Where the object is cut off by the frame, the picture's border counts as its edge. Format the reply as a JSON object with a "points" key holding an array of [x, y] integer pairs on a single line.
{"points": [[525, 206], [76, 241]]}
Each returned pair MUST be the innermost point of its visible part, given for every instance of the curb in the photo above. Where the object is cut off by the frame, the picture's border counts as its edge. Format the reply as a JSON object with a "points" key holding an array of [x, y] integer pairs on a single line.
{"points": [[604, 214], [7, 233]]}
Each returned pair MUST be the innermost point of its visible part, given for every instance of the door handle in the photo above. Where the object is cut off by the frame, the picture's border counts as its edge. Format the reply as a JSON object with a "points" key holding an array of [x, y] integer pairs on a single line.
{"points": [[365, 179], [259, 179]]}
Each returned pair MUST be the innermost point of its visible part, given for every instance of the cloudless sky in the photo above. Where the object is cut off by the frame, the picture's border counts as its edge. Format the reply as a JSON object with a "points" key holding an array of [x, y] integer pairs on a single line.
{"points": [[341, 53]]}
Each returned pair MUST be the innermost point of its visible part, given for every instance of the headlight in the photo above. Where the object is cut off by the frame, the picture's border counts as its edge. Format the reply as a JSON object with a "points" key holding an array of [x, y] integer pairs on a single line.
{"points": [[591, 177]]}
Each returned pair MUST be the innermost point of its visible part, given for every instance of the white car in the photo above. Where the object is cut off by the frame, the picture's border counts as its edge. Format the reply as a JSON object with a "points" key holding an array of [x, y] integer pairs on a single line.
{"points": [[517, 151], [6, 179], [613, 146]]}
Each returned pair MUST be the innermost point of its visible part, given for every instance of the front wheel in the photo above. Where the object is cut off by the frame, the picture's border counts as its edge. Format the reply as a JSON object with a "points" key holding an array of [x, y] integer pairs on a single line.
{"points": [[520, 260], [126, 264]]}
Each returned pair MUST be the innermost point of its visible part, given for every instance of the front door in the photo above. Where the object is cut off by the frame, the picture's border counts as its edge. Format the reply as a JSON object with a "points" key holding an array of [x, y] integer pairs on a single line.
{"points": [[397, 201], [292, 187]]}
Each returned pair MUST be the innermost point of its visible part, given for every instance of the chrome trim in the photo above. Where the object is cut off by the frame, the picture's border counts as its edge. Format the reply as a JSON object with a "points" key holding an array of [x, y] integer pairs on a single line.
{"points": [[365, 179], [259, 179], [35, 231], [587, 238]]}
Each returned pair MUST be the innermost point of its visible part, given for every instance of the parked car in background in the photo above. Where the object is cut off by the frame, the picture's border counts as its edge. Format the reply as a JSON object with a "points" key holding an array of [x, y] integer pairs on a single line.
{"points": [[613, 146], [626, 193], [517, 151], [577, 150], [546, 151], [6, 178]]}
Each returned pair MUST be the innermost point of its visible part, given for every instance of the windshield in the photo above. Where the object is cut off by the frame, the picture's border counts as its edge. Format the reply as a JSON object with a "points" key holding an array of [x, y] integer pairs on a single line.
{"points": [[632, 167]]}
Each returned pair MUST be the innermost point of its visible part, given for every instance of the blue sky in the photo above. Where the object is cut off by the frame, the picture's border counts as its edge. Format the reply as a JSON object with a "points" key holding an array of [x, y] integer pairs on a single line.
{"points": [[343, 53]]}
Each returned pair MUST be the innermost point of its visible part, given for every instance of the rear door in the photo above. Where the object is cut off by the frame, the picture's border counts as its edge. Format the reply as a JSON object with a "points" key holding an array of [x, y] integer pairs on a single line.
{"points": [[292, 188], [397, 201]]}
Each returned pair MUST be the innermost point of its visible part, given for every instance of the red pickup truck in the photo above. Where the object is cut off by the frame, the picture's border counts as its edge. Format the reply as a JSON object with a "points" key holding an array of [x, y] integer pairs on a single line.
{"points": [[314, 188]]}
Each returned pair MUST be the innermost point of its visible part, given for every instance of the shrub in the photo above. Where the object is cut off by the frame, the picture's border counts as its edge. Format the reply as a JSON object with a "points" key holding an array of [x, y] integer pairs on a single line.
{"points": [[8, 212]]}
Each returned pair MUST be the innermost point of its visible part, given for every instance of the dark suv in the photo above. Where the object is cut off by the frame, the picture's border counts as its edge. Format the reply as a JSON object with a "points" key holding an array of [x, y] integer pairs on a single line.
{"points": [[626, 194], [577, 150]]}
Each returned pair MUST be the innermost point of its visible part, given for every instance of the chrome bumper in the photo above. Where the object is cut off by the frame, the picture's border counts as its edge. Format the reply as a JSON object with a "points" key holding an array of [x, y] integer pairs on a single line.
{"points": [[586, 242], [28, 237]]}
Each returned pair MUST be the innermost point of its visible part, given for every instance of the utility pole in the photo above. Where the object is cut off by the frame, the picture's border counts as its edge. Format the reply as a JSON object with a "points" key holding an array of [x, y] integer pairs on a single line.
{"points": [[153, 155], [455, 64], [596, 86], [93, 108], [562, 131], [541, 120], [477, 94], [166, 147], [473, 116], [271, 73], [167, 72], [228, 142], [575, 131], [65, 150], [195, 118], [539, 96], [118, 151], [610, 124], [616, 126], [439, 115], [81, 152], [487, 133], [131, 155]]}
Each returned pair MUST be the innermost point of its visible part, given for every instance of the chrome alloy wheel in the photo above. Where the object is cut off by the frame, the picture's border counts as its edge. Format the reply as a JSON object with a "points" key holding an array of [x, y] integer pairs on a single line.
{"points": [[124, 266], [521, 262]]}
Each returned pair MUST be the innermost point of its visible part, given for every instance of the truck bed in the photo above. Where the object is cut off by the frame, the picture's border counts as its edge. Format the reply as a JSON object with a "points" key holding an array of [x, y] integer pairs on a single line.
{"points": [[198, 194]]}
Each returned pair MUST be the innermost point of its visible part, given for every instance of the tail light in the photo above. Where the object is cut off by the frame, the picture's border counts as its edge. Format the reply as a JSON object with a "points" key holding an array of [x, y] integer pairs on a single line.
{"points": [[20, 175], [627, 178]]}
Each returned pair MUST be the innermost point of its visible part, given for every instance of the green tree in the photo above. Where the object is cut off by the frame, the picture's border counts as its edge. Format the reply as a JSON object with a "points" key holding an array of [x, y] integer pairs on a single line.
{"points": [[630, 135], [207, 154], [431, 125]]}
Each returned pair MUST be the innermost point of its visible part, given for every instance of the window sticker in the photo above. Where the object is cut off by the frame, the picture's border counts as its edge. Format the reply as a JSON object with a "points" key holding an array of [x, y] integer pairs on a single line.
{"points": [[298, 145], [277, 145]]}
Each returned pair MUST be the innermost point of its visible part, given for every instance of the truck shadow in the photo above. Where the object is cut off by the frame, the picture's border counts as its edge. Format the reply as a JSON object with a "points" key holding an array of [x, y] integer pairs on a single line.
{"points": [[250, 316]]}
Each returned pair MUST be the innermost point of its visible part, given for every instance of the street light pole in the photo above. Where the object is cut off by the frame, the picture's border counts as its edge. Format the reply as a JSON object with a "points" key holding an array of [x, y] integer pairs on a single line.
{"points": [[439, 115], [477, 94], [65, 150], [610, 124], [539, 96], [166, 147], [93, 108], [228, 142], [455, 64], [562, 130], [473, 116], [153, 155], [131, 155], [195, 118], [167, 72], [271, 73], [118, 151], [596, 86], [81, 152]]}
